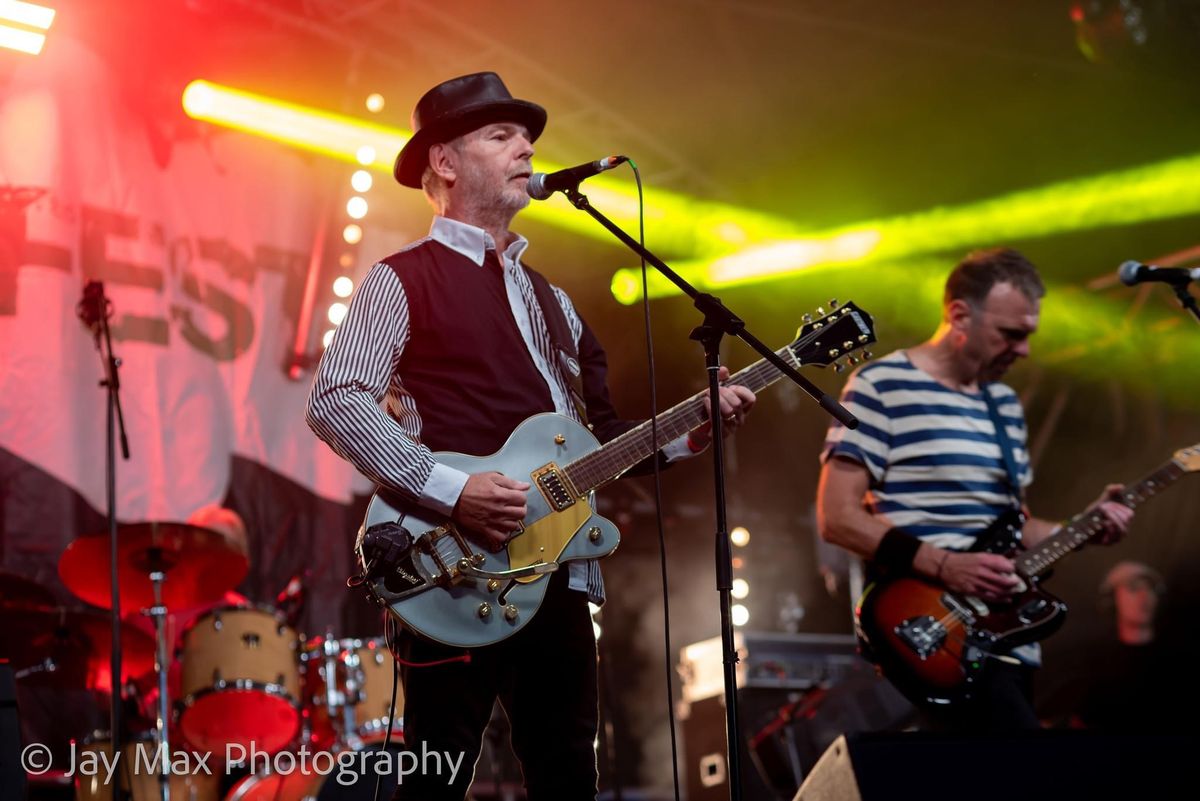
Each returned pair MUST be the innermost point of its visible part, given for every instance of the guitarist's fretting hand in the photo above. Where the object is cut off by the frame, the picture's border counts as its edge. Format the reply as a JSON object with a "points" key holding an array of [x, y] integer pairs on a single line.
{"points": [[491, 505], [1117, 516], [736, 402]]}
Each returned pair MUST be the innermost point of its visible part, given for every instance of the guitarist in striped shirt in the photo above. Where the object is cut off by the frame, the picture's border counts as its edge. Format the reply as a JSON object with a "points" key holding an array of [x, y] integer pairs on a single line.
{"points": [[926, 472]]}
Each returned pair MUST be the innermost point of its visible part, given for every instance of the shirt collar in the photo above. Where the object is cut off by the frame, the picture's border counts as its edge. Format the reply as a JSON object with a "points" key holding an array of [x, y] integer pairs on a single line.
{"points": [[471, 241]]}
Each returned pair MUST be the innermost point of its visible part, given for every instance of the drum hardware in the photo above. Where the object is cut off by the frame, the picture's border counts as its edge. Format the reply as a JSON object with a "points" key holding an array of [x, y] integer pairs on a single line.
{"points": [[139, 783], [202, 564]]}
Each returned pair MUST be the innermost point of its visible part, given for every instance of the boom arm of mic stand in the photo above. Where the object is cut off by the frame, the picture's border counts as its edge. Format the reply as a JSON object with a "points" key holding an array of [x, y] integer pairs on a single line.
{"points": [[716, 313], [1186, 299]]}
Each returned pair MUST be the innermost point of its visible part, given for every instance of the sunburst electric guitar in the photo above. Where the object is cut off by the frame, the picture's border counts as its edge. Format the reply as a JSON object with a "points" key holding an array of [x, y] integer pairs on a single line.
{"points": [[444, 585], [933, 643]]}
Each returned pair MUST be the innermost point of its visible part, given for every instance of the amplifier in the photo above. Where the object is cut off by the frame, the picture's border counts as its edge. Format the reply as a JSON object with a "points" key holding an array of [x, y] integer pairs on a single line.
{"points": [[769, 660], [796, 694]]}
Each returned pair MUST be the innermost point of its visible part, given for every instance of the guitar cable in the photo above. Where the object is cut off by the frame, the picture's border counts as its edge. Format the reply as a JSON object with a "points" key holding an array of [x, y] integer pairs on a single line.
{"points": [[658, 504]]}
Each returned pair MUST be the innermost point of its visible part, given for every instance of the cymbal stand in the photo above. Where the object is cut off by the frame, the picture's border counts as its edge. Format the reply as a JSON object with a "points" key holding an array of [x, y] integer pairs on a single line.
{"points": [[159, 612]]}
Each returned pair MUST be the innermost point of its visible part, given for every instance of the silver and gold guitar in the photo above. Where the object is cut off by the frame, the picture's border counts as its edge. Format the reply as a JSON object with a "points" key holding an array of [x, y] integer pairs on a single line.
{"points": [[445, 586]]}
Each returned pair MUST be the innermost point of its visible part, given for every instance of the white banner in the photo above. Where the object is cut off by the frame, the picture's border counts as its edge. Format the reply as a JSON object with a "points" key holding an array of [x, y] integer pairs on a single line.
{"points": [[202, 242]]}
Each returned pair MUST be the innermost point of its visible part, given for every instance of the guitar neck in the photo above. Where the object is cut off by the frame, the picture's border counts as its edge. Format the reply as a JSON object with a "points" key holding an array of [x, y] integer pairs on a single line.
{"points": [[1080, 529], [618, 455]]}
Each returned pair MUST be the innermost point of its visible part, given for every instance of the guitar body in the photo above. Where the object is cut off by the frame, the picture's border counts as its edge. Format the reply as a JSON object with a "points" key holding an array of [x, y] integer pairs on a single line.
{"points": [[933, 643], [469, 612]]}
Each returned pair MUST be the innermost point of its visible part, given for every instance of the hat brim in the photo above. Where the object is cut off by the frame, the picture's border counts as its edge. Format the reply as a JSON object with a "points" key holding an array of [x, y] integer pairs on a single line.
{"points": [[414, 156]]}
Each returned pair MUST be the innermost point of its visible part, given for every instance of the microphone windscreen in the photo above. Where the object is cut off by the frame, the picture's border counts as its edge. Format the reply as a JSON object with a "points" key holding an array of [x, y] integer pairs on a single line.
{"points": [[1128, 272], [536, 186]]}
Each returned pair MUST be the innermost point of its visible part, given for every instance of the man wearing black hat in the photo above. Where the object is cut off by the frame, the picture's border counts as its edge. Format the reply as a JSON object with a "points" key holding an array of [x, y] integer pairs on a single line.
{"points": [[457, 336]]}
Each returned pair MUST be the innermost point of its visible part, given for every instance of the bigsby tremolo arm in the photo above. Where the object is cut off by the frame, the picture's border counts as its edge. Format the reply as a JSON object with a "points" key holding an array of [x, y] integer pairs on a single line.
{"points": [[466, 568]]}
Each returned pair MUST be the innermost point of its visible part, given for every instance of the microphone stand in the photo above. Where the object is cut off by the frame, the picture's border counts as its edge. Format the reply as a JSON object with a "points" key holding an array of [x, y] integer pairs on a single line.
{"points": [[94, 310], [1185, 298], [718, 321]]}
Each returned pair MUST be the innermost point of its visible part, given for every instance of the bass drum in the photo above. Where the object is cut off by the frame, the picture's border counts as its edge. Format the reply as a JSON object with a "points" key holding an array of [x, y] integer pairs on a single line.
{"points": [[138, 759], [332, 776]]}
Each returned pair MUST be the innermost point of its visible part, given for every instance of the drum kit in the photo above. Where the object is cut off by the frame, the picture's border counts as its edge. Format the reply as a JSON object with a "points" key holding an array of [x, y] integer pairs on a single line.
{"points": [[235, 678]]}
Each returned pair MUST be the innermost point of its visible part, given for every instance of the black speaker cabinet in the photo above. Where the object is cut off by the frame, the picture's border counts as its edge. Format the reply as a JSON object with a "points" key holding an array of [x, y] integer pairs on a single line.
{"points": [[1050, 765], [12, 773], [783, 733]]}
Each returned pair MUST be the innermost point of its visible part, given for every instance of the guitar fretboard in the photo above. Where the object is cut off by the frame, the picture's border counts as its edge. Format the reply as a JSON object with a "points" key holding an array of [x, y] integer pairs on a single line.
{"points": [[1081, 528], [619, 454]]}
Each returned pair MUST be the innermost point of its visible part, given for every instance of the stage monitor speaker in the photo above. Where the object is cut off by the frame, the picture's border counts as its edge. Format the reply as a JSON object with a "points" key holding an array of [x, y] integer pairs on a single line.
{"points": [[1050, 765]]}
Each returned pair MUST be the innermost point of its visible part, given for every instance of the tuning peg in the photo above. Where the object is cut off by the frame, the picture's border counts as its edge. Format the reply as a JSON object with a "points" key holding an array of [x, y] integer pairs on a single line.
{"points": [[833, 303], [866, 354], [821, 311], [807, 318], [847, 345], [853, 360], [838, 367]]}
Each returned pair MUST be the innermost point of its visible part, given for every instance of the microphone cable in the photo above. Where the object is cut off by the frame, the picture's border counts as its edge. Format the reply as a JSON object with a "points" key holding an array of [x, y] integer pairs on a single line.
{"points": [[658, 502]]}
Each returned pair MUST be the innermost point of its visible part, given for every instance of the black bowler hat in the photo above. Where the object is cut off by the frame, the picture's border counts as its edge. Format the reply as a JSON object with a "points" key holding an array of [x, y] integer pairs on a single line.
{"points": [[456, 107]]}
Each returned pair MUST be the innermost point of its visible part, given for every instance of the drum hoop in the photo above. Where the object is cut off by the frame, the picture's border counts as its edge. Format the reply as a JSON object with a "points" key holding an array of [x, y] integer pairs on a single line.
{"points": [[265, 609], [225, 685]]}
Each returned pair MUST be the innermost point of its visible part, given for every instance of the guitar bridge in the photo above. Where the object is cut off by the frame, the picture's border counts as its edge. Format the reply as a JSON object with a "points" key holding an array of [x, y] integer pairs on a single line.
{"points": [[554, 486], [924, 634]]}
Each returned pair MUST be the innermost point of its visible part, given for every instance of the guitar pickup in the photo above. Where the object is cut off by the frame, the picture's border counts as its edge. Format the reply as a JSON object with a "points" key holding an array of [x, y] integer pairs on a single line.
{"points": [[554, 486]]}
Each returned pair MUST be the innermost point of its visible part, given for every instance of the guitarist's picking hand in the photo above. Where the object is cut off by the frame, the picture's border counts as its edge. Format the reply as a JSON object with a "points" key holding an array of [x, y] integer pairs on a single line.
{"points": [[492, 505], [1115, 515], [987, 575]]}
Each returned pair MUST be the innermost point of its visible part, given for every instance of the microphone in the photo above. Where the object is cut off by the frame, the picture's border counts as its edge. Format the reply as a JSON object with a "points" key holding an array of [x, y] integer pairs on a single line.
{"points": [[1134, 272], [93, 308], [542, 186]]}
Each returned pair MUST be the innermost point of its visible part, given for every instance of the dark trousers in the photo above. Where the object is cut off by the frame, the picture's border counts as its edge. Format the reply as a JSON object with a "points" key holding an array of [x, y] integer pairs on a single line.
{"points": [[545, 678], [1002, 701]]}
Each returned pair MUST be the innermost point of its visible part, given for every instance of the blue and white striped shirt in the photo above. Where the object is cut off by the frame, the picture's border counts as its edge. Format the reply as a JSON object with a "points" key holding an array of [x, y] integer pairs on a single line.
{"points": [[935, 464]]}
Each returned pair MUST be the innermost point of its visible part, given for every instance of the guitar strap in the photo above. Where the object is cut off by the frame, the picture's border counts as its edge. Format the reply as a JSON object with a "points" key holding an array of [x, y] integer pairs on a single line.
{"points": [[561, 339], [1006, 448]]}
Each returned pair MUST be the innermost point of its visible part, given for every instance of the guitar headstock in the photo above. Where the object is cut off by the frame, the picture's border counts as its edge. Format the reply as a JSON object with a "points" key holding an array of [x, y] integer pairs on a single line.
{"points": [[834, 337], [1188, 458]]}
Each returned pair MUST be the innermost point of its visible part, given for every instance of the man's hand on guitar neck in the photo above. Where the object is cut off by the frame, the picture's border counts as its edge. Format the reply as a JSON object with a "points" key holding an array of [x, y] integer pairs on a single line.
{"points": [[492, 506], [1114, 515], [1117, 516], [736, 403], [987, 575]]}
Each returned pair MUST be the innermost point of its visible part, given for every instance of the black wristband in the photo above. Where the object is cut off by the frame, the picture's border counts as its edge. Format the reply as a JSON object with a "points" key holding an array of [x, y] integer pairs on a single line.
{"points": [[895, 554]]}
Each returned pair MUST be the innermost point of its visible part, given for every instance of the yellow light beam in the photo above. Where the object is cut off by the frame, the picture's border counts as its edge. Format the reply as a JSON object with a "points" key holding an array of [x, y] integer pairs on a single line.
{"points": [[1152, 192], [678, 224]]}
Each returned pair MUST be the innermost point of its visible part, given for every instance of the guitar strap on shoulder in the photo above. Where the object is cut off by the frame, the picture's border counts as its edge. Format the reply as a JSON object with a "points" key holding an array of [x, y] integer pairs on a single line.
{"points": [[1006, 448], [561, 339]]}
